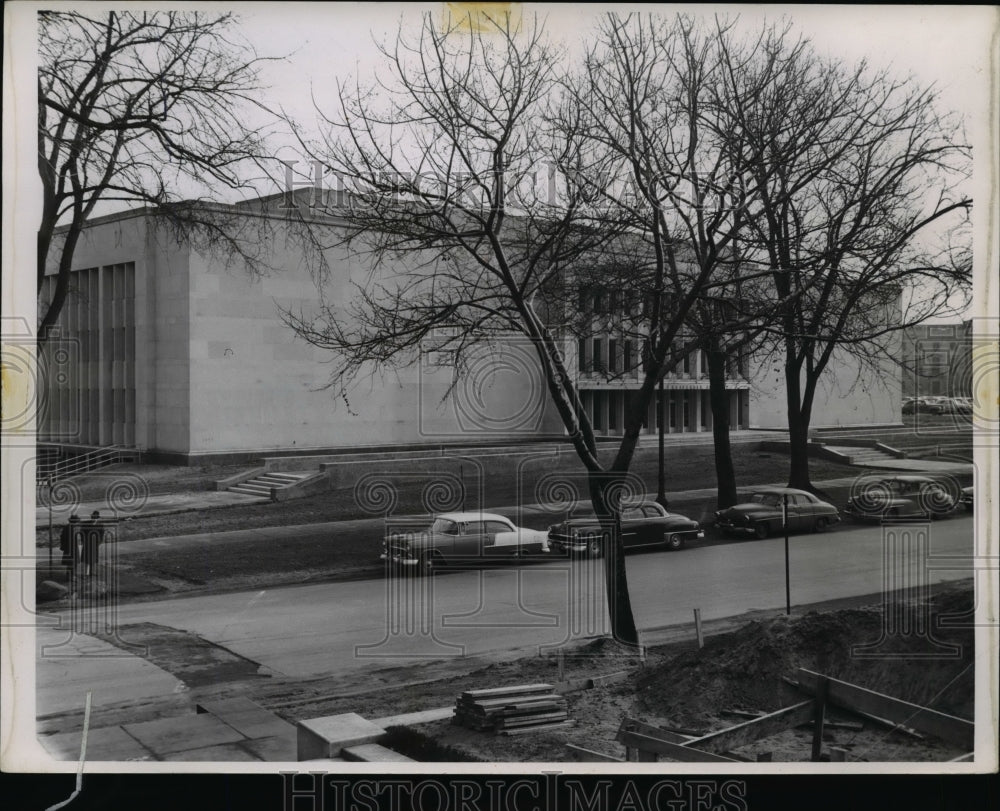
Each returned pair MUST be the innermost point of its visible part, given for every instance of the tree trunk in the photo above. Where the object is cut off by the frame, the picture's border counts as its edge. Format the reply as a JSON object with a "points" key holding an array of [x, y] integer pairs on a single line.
{"points": [[725, 475], [798, 432], [604, 492], [51, 315]]}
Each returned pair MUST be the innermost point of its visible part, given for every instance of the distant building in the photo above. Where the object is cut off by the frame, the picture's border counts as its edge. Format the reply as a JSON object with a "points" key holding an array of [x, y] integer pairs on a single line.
{"points": [[165, 347], [937, 360]]}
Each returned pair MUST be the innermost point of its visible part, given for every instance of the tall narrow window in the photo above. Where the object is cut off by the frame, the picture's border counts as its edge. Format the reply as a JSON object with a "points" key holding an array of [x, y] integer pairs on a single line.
{"points": [[598, 403], [612, 355], [599, 300], [627, 360], [598, 361]]}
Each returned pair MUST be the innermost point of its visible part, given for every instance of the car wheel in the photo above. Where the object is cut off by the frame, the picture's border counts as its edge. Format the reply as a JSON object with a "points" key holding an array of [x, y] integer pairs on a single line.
{"points": [[594, 547], [822, 524], [675, 541], [761, 531]]}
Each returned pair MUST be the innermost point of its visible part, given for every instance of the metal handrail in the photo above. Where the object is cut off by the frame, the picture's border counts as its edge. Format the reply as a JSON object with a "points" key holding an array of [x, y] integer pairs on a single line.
{"points": [[50, 472]]}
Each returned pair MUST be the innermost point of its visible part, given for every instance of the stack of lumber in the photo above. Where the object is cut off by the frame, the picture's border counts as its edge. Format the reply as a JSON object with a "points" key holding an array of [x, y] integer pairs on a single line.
{"points": [[510, 710]]}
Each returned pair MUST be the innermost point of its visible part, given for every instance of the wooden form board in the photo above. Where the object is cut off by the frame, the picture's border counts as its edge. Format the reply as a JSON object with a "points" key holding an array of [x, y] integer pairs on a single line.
{"points": [[676, 751], [749, 731], [956, 731]]}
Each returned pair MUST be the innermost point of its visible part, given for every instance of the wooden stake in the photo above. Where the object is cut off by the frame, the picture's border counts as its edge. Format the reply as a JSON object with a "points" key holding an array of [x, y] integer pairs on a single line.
{"points": [[822, 687], [697, 628]]}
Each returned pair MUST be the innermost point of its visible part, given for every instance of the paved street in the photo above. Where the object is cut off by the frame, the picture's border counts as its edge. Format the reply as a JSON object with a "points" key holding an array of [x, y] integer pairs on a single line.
{"points": [[353, 626]]}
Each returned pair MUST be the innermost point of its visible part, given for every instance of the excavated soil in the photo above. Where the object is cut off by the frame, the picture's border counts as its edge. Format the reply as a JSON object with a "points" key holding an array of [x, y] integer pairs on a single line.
{"points": [[694, 691]]}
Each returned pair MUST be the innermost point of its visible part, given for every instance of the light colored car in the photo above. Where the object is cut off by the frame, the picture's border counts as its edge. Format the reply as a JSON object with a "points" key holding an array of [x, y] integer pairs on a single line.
{"points": [[761, 514], [900, 497], [468, 538]]}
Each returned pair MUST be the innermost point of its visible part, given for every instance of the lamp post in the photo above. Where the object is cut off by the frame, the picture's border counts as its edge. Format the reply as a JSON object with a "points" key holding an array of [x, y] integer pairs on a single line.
{"points": [[661, 495], [49, 482], [784, 526]]}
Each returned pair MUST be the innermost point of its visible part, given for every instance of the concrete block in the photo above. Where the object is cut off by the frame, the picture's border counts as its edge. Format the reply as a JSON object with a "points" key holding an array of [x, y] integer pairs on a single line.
{"points": [[165, 736], [326, 737], [374, 753]]}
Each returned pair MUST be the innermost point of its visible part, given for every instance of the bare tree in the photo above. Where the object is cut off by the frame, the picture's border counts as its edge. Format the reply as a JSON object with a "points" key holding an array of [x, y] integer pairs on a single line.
{"points": [[856, 173], [140, 109], [447, 166], [656, 101]]}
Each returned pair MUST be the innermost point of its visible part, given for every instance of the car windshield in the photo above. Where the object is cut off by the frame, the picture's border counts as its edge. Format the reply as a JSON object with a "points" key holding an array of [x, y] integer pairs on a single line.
{"points": [[767, 499], [444, 526]]}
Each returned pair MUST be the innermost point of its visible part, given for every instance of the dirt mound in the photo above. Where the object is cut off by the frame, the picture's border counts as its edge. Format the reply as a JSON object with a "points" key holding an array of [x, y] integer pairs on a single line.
{"points": [[920, 652]]}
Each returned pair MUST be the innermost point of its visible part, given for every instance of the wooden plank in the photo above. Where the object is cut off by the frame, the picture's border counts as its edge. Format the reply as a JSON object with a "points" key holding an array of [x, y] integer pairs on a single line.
{"points": [[819, 716], [675, 751], [496, 692], [611, 678], [749, 731], [512, 701], [580, 754], [635, 725], [743, 713], [956, 731], [510, 723]]}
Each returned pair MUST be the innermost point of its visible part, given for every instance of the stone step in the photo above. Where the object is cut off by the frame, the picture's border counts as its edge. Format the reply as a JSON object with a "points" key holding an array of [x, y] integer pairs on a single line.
{"points": [[250, 489], [373, 753], [275, 481], [326, 737]]}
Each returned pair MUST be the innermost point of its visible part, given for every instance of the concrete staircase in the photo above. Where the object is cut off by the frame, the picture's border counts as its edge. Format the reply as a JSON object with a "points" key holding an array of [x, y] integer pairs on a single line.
{"points": [[262, 484], [865, 457]]}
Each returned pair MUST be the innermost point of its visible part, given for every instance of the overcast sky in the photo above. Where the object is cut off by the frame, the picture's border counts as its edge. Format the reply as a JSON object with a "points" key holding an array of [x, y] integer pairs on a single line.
{"points": [[944, 44], [947, 45]]}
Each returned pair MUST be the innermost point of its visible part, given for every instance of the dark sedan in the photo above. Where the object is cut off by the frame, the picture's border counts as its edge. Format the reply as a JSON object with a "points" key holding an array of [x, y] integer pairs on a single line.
{"points": [[895, 497], [761, 514], [643, 524]]}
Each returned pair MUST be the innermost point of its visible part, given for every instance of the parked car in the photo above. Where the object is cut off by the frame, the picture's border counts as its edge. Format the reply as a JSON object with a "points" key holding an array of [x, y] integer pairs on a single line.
{"points": [[900, 497], [926, 405], [761, 514], [967, 498], [466, 537], [961, 405], [644, 523]]}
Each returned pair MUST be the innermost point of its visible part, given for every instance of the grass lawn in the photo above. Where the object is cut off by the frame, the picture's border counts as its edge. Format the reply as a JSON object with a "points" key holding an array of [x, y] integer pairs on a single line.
{"points": [[688, 468]]}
